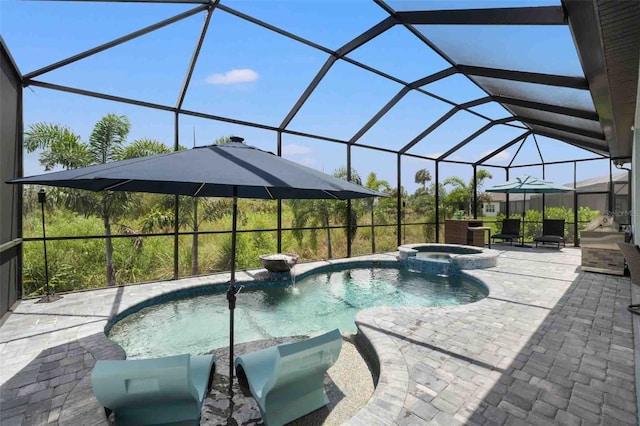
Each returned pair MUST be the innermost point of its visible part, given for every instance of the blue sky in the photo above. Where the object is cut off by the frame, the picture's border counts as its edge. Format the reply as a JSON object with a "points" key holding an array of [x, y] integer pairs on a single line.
{"points": [[250, 73]]}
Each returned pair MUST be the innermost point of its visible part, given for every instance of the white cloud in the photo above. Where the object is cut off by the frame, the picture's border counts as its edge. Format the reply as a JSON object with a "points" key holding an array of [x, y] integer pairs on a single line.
{"points": [[243, 75], [500, 157], [307, 161], [293, 149]]}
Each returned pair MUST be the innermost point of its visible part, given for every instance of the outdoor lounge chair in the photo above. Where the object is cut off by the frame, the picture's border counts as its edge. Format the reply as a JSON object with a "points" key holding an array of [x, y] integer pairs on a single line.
{"points": [[157, 391], [552, 232], [510, 230], [287, 380]]}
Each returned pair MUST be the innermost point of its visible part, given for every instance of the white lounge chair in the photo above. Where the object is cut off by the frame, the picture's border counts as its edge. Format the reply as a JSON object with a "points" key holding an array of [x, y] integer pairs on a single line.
{"points": [[287, 380], [157, 391]]}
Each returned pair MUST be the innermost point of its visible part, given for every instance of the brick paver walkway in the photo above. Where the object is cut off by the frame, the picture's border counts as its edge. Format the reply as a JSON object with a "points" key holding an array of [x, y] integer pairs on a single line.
{"points": [[550, 345]]}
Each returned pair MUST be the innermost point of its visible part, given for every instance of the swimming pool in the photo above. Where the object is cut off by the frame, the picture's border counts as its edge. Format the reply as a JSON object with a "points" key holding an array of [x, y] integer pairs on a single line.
{"points": [[316, 303]]}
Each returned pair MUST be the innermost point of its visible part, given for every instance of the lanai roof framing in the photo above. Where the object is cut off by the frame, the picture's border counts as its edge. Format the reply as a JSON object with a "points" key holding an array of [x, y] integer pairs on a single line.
{"points": [[588, 125]]}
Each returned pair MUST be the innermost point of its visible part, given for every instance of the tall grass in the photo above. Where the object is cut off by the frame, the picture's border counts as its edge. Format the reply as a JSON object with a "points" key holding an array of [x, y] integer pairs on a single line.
{"points": [[80, 264]]}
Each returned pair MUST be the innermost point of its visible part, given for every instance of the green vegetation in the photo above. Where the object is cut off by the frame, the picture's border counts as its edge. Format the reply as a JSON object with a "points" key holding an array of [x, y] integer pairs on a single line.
{"points": [[205, 245], [61, 147], [533, 221]]}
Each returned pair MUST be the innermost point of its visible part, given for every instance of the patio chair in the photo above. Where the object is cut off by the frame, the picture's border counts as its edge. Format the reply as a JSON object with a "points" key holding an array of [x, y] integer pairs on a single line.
{"points": [[552, 232], [510, 230], [157, 391], [287, 380]]}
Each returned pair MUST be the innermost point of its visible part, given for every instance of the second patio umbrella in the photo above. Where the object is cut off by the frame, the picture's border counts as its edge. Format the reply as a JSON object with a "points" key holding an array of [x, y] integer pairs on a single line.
{"points": [[226, 170], [528, 185]]}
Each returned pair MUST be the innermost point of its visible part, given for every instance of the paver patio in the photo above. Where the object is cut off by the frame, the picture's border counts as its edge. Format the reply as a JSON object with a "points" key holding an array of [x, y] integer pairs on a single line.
{"points": [[550, 345]]}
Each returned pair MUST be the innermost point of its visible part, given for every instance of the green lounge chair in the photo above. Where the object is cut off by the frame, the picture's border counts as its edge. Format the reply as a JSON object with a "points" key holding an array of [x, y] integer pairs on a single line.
{"points": [[287, 380], [154, 391]]}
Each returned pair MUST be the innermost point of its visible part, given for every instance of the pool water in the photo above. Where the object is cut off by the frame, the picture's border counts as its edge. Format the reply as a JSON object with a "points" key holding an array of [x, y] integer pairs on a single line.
{"points": [[315, 304]]}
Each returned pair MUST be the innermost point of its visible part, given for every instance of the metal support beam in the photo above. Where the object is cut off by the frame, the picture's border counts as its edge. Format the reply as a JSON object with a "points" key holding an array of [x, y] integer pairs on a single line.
{"points": [[516, 154], [279, 202], [349, 224], [475, 135], [140, 1], [273, 28], [363, 38], [562, 127], [367, 36], [196, 53], [476, 102], [437, 200], [161, 107], [475, 191], [587, 146], [576, 240], [401, 94], [444, 118], [67, 89], [115, 42], [429, 129], [548, 15], [503, 147], [379, 114], [434, 77], [176, 203], [535, 141], [399, 210], [506, 170], [308, 91], [526, 77], [572, 112]]}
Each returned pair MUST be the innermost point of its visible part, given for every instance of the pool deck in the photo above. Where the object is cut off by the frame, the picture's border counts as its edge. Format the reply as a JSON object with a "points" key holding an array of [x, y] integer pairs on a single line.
{"points": [[550, 345]]}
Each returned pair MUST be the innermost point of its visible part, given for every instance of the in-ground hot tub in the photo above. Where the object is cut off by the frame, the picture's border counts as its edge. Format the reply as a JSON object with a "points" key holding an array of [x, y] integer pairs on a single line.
{"points": [[446, 259]]}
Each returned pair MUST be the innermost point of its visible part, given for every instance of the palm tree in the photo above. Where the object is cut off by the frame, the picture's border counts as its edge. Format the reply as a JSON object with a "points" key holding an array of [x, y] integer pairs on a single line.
{"points": [[461, 196], [377, 185], [63, 148], [422, 177], [340, 210], [163, 217], [190, 215], [320, 213]]}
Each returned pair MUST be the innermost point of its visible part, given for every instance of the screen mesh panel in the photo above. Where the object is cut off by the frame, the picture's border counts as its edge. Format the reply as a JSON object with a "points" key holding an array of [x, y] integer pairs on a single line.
{"points": [[565, 120], [560, 96], [566, 135], [456, 88], [532, 48], [409, 5], [400, 47]]}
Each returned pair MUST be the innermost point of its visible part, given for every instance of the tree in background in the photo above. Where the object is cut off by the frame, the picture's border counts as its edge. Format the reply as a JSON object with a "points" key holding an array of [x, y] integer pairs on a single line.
{"points": [[320, 213], [190, 214], [377, 185], [461, 195], [107, 143], [422, 177]]}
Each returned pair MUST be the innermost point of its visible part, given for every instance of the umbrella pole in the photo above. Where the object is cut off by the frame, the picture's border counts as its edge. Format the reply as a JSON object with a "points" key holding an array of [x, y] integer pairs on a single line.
{"points": [[231, 291]]}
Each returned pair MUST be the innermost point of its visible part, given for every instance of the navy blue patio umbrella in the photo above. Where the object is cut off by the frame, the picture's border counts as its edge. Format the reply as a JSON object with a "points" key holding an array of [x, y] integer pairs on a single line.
{"points": [[225, 170]]}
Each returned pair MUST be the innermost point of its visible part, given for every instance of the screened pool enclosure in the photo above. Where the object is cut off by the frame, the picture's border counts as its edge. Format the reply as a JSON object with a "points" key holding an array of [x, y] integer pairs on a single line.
{"points": [[423, 100]]}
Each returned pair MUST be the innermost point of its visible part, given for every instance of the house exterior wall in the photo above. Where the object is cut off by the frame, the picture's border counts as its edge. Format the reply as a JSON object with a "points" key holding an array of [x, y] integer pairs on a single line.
{"points": [[10, 195], [491, 209]]}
